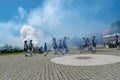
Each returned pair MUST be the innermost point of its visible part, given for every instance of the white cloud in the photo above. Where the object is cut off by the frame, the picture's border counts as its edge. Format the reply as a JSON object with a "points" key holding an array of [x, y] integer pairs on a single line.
{"points": [[22, 12], [8, 35]]}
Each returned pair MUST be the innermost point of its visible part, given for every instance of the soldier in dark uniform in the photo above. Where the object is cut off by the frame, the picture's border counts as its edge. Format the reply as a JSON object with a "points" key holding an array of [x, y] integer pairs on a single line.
{"points": [[60, 44], [55, 47], [41, 50], [60, 47], [89, 47], [84, 45], [65, 45], [116, 41], [94, 43], [30, 47], [25, 47]]}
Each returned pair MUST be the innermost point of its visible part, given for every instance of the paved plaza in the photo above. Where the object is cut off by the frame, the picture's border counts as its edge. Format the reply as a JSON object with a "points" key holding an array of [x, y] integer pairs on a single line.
{"points": [[38, 67]]}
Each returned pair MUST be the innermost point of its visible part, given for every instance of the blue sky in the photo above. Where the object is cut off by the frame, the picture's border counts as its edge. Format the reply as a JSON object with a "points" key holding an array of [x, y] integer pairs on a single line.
{"points": [[9, 8], [55, 18]]}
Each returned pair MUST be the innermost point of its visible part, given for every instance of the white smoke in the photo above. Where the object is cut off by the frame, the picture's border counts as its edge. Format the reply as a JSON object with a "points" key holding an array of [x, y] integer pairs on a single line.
{"points": [[28, 33]]}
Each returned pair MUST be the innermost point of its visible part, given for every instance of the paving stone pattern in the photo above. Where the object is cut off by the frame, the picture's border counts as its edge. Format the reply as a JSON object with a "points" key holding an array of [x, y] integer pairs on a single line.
{"points": [[38, 67]]}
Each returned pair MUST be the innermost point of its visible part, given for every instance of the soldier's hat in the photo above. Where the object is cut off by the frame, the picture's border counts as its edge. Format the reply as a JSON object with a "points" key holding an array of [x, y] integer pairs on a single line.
{"points": [[54, 38], [25, 41], [65, 37], [94, 36]]}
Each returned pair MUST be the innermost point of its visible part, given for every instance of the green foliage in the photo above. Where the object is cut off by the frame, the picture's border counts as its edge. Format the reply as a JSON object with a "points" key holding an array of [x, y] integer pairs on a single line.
{"points": [[110, 45], [11, 51]]}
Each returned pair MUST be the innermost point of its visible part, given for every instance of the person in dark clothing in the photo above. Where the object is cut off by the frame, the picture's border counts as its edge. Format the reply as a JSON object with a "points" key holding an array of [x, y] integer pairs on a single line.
{"points": [[25, 47], [41, 50], [60, 44], [94, 44], [116, 41], [84, 45], [55, 47], [30, 47], [60, 47], [65, 45], [88, 45]]}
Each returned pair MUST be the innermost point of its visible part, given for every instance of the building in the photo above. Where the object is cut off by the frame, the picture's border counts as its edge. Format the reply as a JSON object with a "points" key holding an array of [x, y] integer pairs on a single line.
{"points": [[109, 40]]}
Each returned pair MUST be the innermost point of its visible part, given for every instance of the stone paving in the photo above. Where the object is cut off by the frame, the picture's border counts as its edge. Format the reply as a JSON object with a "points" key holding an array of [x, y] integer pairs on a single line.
{"points": [[38, 67]]}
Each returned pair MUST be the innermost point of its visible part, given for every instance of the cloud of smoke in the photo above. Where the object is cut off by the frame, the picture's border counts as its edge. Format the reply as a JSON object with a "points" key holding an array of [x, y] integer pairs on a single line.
{"points": [[43, 21], [28, 33], [53, 19]]}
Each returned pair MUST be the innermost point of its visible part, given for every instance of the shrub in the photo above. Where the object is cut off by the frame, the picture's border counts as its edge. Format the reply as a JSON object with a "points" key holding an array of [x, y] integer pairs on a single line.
{"points": [[110, 45], [11, 51]]}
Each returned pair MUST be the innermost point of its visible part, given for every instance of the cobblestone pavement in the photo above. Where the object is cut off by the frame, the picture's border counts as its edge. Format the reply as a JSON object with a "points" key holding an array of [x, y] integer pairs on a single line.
{"points": [[38, 67]]}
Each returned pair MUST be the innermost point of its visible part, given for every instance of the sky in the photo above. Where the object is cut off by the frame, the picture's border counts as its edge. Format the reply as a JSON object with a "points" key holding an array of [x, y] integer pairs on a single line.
{"points": [[55, 18]]}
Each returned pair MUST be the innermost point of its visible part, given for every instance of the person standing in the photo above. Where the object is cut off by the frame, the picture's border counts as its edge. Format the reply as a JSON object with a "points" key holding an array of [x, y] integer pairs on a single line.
{"points": [[116, 41], [94, 44], [30, 47], [60, 48], [60, 44], [64, 45], [54, 45], [84, 43], [25, 47], [88, 44]]}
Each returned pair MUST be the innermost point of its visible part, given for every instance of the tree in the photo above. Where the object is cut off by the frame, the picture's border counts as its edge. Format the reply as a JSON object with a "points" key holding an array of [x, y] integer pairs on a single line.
{"points": [[45, 47]]}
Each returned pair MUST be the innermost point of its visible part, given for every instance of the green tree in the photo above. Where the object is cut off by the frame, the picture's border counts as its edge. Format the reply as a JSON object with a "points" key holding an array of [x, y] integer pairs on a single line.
{"points": [[45, 47]]}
